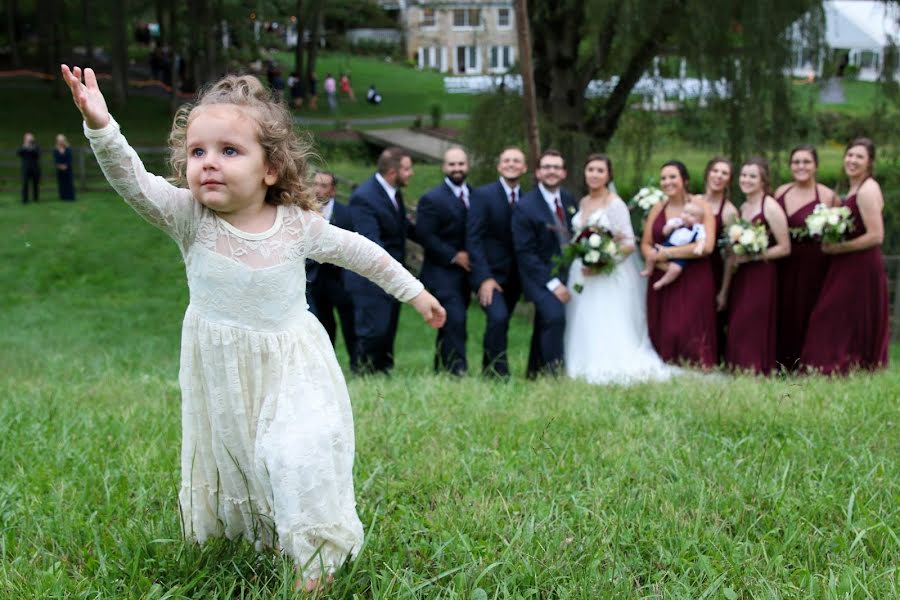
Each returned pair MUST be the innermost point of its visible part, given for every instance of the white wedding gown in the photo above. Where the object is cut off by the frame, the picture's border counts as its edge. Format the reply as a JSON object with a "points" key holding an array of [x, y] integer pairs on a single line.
{"points": [[267, 431], [606, 339]]}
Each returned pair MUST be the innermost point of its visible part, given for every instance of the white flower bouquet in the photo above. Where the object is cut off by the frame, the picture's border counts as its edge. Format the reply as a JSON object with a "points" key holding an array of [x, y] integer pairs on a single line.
{"points": [[646, 198], [831, 225], [744, 238], [595, 245]]}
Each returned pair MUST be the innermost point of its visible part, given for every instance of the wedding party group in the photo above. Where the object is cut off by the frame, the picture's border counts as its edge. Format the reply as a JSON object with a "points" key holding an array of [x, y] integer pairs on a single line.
{"points": [[267, 437], [786, 280]]}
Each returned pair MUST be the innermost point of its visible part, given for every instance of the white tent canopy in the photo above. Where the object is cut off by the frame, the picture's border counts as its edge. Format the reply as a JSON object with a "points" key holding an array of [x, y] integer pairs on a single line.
{"points": [[860, 25]]}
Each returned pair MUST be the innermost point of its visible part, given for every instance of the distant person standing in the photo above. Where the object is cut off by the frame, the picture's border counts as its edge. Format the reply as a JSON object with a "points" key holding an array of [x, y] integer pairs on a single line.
{"points": [[325, 290], [295, 85], [30, 154], [62, 159], [347, 88], [330, 87]]}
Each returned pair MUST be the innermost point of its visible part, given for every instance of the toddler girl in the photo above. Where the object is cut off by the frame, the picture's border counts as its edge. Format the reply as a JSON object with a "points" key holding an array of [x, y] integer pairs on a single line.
{"points": [[686, 229], [267, 432]]}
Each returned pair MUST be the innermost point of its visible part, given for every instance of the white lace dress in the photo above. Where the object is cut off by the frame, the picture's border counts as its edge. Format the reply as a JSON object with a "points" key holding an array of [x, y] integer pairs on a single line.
{"points": [[606, 339], [267, 430]]}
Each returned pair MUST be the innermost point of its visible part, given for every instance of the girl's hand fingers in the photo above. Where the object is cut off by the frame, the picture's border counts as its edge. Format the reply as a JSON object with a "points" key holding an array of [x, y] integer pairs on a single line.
{"points": [[90, 79]]}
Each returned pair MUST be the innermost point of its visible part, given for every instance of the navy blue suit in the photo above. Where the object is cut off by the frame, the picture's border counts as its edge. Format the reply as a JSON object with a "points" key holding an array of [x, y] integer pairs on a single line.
{"points": [[376, 312], [326, 291], [536, 238], [492, 255], [441, 229]]}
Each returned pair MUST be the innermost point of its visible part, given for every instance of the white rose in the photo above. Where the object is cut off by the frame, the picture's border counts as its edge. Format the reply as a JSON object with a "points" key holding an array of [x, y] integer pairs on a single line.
{"points": [[734, 232], [592, 257], [833, 219], [815, 224], [747, 238], [643, 192], [610, 248], [594, 241]]}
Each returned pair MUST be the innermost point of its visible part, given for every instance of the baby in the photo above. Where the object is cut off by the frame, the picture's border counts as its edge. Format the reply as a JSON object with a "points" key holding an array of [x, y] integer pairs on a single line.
{"points": [[683, 230]]}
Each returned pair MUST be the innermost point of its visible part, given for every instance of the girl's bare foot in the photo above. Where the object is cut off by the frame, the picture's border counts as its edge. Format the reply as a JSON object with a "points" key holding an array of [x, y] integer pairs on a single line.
{"points": [[313, 585]]}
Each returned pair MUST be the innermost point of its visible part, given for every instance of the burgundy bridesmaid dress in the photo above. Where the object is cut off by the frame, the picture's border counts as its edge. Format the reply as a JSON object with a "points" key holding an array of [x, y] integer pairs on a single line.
{"points": [[800, 278], [752, 313], [718, 267], [681, 317], [848, 327]]}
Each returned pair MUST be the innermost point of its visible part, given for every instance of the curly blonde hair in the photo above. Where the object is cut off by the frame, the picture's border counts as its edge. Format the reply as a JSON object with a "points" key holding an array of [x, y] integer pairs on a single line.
{"points": [[285, 150]]}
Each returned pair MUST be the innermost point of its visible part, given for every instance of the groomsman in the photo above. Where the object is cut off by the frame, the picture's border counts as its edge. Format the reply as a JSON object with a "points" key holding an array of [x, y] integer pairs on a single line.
{"points": [[489, 242], [541, 226], [441, 229], [378, 213], [325, 289]]}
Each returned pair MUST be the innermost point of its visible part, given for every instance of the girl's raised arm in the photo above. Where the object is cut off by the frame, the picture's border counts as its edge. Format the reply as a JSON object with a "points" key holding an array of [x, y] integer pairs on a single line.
{"points": [[170, 208]]}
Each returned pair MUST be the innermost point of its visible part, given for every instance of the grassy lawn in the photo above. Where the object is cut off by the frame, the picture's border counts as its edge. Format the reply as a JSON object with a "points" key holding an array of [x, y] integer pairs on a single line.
{"points": [[707, 487], [406, 90]]}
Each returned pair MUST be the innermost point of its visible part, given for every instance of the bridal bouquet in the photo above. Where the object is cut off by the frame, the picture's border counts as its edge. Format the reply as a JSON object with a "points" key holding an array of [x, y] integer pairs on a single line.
{"points": [[597, 248], [829, 224], [646, 198], [744, 238]]}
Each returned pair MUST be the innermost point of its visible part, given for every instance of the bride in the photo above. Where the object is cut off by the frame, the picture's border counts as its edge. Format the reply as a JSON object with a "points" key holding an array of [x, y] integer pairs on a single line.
{"points": [[606, 339]]}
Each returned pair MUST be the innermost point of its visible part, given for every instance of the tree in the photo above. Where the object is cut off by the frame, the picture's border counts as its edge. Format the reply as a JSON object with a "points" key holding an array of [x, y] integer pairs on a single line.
{"points": [[119, 35], [578, 41], [12, 15]]}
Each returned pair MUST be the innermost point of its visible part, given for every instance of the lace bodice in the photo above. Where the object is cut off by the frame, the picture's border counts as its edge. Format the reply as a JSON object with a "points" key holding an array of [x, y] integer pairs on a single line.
{"points": [[615, 217], [249, 279]]}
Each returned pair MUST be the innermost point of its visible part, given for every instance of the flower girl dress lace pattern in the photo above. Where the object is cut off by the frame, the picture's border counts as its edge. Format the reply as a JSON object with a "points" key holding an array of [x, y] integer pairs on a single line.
{"points": [[267, 431]]}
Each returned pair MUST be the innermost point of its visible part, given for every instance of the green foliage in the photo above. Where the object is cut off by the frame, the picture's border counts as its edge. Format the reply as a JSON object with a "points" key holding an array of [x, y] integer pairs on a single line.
{"points": [[707, 486], [497, 121], [437, 113]]}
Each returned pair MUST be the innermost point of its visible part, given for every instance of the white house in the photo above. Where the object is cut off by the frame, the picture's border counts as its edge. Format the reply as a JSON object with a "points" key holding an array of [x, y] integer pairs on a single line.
{"points": [[861, 28]]}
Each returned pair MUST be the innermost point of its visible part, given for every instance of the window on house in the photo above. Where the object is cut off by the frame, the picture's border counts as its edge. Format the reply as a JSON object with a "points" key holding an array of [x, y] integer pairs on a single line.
{"points": [[467, 59], [504, 20], [466, 17], [428, 17], [501, 58]]}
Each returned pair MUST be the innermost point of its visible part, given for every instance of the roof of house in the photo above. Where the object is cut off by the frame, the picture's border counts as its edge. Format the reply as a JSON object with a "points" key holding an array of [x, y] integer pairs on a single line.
{"points": [[861, 25]]}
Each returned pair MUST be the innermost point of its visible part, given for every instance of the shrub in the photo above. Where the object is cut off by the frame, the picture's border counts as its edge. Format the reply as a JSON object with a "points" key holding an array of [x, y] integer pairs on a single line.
{"points": [[437, 114]]}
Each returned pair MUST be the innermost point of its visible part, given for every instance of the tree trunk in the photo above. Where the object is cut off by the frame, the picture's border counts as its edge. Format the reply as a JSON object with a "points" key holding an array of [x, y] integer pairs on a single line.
{"points": [[527, 69], [87, 27], [315, 20], [12, 16], [119, 37], [298, 51]]}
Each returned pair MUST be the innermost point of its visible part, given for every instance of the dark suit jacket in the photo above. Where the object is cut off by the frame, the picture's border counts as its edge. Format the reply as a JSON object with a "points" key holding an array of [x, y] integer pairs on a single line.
{"points": [[374, 216], [340, 217], [536, 241], [489, 236], [441, 229]]}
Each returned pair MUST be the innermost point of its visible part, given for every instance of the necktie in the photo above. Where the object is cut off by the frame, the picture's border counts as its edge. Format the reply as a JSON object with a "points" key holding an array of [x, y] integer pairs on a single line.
{"points": [[559, 212], [462, 198], [398, 200], [512, 198]]}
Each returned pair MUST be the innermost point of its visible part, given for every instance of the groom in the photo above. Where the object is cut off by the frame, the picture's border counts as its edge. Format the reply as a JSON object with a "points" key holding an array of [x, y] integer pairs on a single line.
{"points": [[541, 226]]}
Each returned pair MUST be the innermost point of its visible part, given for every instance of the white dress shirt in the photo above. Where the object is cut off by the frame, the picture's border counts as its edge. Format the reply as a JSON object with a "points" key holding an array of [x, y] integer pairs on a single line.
{"points": [[391, 190], [458, 189], [510, 190], [550, 199]]}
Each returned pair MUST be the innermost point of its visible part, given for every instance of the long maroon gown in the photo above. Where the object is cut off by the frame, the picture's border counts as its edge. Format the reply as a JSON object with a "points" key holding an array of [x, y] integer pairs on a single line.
{"points": [[848, 327], [718, 267], [800, 278], [681, 316], [752, 313]]}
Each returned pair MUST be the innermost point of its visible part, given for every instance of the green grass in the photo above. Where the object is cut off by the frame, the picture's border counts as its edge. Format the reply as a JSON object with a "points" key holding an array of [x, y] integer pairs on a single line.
{"points": [[406, 90], [713, 487]]}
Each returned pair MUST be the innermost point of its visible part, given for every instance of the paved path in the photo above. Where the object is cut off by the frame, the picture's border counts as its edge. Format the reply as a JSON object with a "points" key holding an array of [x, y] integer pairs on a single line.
{"points": [[385, 120], [421, 146]]}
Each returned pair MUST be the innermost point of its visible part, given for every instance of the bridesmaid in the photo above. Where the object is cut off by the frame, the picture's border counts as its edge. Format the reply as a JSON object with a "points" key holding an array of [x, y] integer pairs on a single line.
{"points": [[849, 324], [749, 286], [801, 274], [62, 158], [681, 317], [717, 194]]}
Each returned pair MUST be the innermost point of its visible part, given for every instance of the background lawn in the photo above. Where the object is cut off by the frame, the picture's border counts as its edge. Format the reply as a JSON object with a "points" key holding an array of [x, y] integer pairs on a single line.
{"points": [[707, 487]]}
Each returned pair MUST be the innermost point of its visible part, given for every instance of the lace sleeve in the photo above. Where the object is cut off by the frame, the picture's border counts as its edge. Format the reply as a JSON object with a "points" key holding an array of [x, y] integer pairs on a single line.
{"points": [[170, 208], [620, 220], [327, 243]]}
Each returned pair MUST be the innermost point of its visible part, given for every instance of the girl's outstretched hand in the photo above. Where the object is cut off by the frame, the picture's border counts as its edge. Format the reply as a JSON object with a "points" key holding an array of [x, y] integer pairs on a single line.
{"points": [[87, 96], [430, 309]]}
